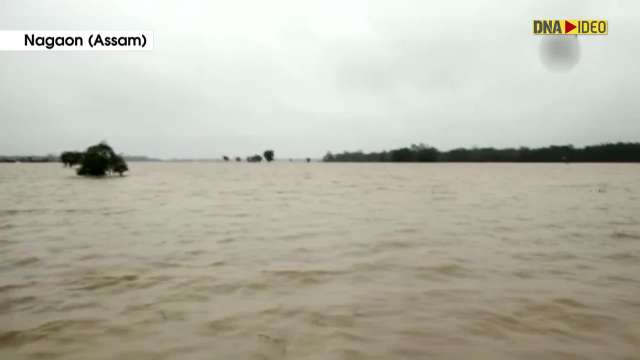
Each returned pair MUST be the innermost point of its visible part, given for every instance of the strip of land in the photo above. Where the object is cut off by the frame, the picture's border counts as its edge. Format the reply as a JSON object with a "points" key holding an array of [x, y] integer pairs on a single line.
{"points": [[611, 152]]}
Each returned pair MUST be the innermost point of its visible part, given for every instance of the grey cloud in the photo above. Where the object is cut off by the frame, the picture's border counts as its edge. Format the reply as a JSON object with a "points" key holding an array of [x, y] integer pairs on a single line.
{"points": [[304, 77]]}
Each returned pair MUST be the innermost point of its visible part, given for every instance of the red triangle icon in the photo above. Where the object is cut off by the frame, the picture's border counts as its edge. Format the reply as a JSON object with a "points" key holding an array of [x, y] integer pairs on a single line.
{"points": [[568, 27]]}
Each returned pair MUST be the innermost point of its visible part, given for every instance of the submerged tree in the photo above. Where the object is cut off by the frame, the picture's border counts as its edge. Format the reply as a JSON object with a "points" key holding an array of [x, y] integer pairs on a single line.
{"points": [[268, 155], [119, 165], [238, 159], [71, 158], [100, 160], [225, 158], [254, 158]]}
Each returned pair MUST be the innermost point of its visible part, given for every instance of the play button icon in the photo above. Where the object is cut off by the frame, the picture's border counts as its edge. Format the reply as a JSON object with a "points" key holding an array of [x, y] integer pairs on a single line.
{"points": [[568, 26]]}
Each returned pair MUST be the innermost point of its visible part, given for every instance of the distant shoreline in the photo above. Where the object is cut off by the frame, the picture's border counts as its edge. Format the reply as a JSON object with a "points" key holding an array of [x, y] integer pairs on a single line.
{"points": [[56, 159], [172, 161], [610, 152], [620, 152]]}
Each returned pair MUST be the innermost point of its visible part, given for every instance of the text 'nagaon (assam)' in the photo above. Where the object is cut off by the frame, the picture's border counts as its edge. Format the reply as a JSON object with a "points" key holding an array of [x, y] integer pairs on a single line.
{"points": [[86, 40]]}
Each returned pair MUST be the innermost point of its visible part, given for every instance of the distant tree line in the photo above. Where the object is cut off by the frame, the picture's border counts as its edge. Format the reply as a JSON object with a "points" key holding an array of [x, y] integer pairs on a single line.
{"points": [[68, 158], [610, 152], [28, 159], [267, 155]]}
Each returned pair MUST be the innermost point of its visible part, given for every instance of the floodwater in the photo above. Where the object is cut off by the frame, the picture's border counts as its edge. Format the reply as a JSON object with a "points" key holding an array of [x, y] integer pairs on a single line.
{"points": [[321, 261]]}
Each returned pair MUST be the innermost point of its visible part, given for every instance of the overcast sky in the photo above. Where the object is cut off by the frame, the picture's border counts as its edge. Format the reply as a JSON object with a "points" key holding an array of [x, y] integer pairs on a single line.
{"points": [[303, 77]]}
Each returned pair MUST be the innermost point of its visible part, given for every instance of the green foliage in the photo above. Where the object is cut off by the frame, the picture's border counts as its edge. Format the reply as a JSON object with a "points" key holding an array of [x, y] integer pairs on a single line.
{"points": [[402, 155], [254, 158], [119, 165], [71, 158], [613, 152], [268, 155], [100, 160]]}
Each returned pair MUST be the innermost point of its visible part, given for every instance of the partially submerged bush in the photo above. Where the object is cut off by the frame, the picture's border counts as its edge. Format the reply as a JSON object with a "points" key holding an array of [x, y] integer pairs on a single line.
{"points": [[268, 155], [71, 158], [119, 165], [100, 160]]}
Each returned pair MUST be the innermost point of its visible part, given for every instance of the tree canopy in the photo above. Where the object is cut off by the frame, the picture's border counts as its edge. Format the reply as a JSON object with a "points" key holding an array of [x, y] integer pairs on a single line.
{"points": [[71, 158], [254, 158], [100, 160], [268, 155]]}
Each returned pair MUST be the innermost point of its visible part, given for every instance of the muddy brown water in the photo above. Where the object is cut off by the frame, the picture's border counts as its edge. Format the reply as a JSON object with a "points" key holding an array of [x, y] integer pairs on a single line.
{"points": [[321, 261]]}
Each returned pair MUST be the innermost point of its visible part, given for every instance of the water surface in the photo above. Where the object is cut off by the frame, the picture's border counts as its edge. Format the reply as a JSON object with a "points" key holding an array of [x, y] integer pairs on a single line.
{"points": [[321, 261]]}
